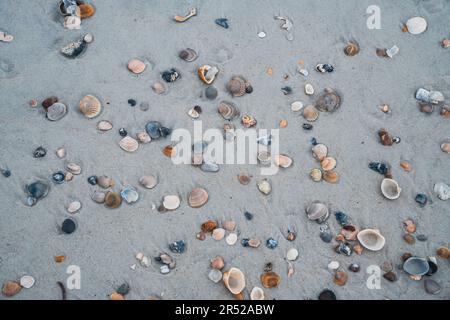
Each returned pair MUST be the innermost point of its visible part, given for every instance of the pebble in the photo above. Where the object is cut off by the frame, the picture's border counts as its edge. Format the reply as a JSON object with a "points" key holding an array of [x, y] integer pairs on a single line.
{"points": [[177, 246], [333, 265], [164, 269], [421, 199], [271, 243], [218, 234], [92, 180], [132, 102], [248, 215], [40, 152]]}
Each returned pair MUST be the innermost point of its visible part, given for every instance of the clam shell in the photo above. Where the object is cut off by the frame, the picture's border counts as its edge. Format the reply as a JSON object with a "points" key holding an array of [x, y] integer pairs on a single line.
{"points": [[227, 110], [234, 280], [90, 106], [56, 111], [292, 254], [310, 113], [136, 66], [264, 186], [270, 279], [416, 266], [104, 125], [445, 147], [257, 294], [98, 196], [198, 197], [148, 182], [416, 25], [340, 278], [218, 234], [237, 86], [309, 89], [283, 161], [129, 194], [390, 189], [208, 226], [215, 275], [217, 263], [317, 211], [331, 176], [188, 55], [158, 88], [27, 282], [11, 288], [296, 106], [352, 49], [316, 175], [406, 166], [207, 73], [169, 151], [74, 168], [129, 144], [443, 252], [171, 202], [86, 10], [319, 151], [431, 286], [143, 137], [113, 200], [371, 239], [329, 101], [231, 239], [74, 206], [328, 163], [105, 182]]}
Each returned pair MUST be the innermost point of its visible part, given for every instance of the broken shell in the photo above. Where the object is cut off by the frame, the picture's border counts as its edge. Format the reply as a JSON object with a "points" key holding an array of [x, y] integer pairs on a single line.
{"points": [[218, 234], [292, 254], [316, 175], [169, 151], [234, 280], [74, 207], [129, 144], [215, 275], [340, 278], [416, 25], [136, 66], [98, 196], [47, 103], [296, 106], [328, 163], [254, 243], [248, 121], [257, 294], [217, 263], [197, 198], [352, 49], [445, 112], [264, 157], [72, 22], [329, 101], [188, 55], [309, 89], [406, 166], [237, 86], [105, 182], [148, 182], [208, 226], [244, 178], [283, 124], [310, 113], [409, 238], [171, 202], [410, 226], [207, 73], [416, 266], [319, 151], [390, 189], [86, 10], [129, 194], [371, 239], [116, 296], [331, 176], [143, 137], [11, 288], [442, 191], [56, 111], [61, 153], [27, 282], [443, 252], [283, 161], [193, 113], [445, 147], [231, 239], [74, 168], [264, 186], [113, 200], [270, 279], [104, 125], [159, 88], [317, 211], [192, 12], [90, 106], [227, 110]]}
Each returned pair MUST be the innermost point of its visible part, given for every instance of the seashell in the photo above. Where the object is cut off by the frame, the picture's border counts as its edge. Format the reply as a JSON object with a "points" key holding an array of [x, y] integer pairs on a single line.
{"points": [[409, 239], [215, 275], [201, 236], [248, 121], [61, 153], [416, 266], [264, 157], [406, 166], [74, 206], [207, 73], [208, 226], [328, 163], [192, 12], [254, 243], [352, 49], [319, 151], [136, 66], [188, 55], [270, 279], [60, 259], [426, 107], [390, 276], [244, 178], [217, 263], [329, 101], [88, 38], [443, 252], [129, 194], [170, 75], [27, 282], [234, 280], [86, 10], [237, 86], [310, 113], [143, 137], [218, 234], [283, 161], [169, 151], [416, 25], [327, 295], [283, 124], [354, 267], [11, 288], [442, 191], [198, 197], [317, 211], [209, 167], [445, 112], [40, 152], [104, 125], [116, 296], [371, 239], [309, 89], [72, 22], [340, 278], [129, 144], [446, 43], [257, 294], [410, 226], [171, 202], [292, 254], [47, 103], [90, 106], [148, 182], [358, 249], [296, 106], [113, 200], [229, 225], [333, 265], [211, 93], [177, 246], [349, 232], [390, 189], [56, 111], [98, 196], [231, 239], [105, 182], [158, 88], [264, 186], [431, 286], [445, 147], [38, 189], [331, 176], [227, 110], [193, 113]]}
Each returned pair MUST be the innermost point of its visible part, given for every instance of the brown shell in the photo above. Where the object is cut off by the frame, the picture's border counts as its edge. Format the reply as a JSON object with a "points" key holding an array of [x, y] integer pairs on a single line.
{"points": [[236, 86], [248, 121], [445, 147], [410, 226], [86, 10], [406, 166], [328, 163], [352, 49], [116, 296], [229, 225], [90, 106], [47, 103], [329, 101], [443, 252], [331, 176], [349, 232], [385, 138], [409, 238], [381, 53], [227, 110], [445, 112], [60, 259], [217, 263], [425, 107], [11, 288], [283, 123], [340, 278], [358, 249], [209, 226], [169, 151], [136, 66], [270, 279], [240, 296], [113, 200], [105, 182], [198, 197], [244, 178], [310, 113]]}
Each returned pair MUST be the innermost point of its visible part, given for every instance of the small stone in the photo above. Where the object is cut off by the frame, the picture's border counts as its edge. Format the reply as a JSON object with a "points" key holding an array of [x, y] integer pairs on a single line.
{"points": [[296, 106], [11, 288], [218, 234], [354, 267], [333, 265], [390, 276], [248, 215], [326, 237], [92, 180], [254, 243], [201, 236], [217, 263], [177, 246], [164, 269], [421, 199], [123, 132], [387, 266], [124, 289], [132, 102], [422, 237], [68, 226], [159, 88], [358, 249], [261, 34], [292, 254], [231, 239]]}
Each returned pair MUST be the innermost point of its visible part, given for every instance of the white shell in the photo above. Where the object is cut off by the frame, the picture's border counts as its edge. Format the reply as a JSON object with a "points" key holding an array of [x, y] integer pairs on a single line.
{"points": [[74, 206], [129, 144], [218, 234], [148, 182], [442, 191], [371, 239], [297, 106], [231, 239], [257, 294], [264, 186], [416, 25], [333, 265], [261, 34], [303, 72], [309, 89], [171, 202], [61, 153], [292, 254], [104, 125], [215, 275], [74, 168], [390, 189], [27, 282]]}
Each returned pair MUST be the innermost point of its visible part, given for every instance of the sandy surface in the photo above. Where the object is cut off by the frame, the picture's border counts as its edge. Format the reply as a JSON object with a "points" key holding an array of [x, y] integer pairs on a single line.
{"points": [[106, 241]]}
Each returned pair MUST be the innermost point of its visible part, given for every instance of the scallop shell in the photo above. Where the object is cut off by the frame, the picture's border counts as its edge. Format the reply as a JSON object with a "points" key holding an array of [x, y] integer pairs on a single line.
{"points": [[264, 186], [218, 234], [340, 278], [136, 66], [74, 206], [207, 73], [371, 239], [129, 144], [209, 226], [331, 176], [56, 111], [310, 113], [319, 151], [234, 280], [270, 279], [283, 161], [309, 89], [445, 147], [416, 25], [143, 137], [113, 200], [74, 168], [98, 196], [198, 197], [328, 163], [317, 211], [171, 202], [217, 263], [352, 49], [257, 294], [329, 101], [237, 86], [90, 106], [104, 125], [227, 110], [105, 182], [390, 189], [443, 253], [148, 182], [86, 10], [188, 55]]}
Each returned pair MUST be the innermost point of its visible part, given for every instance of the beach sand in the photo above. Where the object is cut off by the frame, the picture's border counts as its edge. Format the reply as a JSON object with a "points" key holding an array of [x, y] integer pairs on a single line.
{"points": [[106, 241]]}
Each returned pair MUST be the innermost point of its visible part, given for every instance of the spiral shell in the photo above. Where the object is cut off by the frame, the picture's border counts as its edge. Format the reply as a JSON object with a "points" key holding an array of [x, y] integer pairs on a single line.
{"points": [[90, 106]]}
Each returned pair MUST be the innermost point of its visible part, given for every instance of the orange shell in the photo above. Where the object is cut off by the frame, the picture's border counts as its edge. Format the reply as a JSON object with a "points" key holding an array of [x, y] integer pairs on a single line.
{"points": [[443, 253], [209, 226], [86, 10], [406, 166], [270, 279], [59, 259], [11, 288], [340, 278], [116, 296]]}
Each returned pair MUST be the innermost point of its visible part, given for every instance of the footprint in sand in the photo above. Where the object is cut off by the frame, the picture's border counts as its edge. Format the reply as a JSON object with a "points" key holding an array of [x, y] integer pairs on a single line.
{"points": [[7, 69]]}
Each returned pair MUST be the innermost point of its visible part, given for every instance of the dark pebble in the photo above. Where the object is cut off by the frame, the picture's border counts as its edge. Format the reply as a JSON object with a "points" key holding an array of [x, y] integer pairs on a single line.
{"points": [[307, 126], [6, 173], [211, 93], [271, 243], [132, 102], [286, 90], [68, 226], [354, 267], [170, 75], [379, 167], [123, 132], [244, 242], [327, 295], [314, 141], [421, 199], [92, 180], [40, 152], [326, 237], [390, 276], [248, 89], [123, 289], [341, 217], [165, 131], [422, 237], [223, 22], [177, 246], [58, 177], [248, 215]]}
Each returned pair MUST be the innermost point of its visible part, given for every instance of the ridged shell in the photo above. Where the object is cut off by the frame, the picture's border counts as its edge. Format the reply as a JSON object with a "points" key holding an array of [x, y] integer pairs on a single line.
{"points": [[105, 182], [283, 161], [328, 163], [317, 211], [171, 202], [143, 137], [188, 55], [148, 182], [113, 200], [74, 168], [371, 239], [236, 86], [316, 175], [104, 125], [207, 73], [270, 279], [352, 49], [56, 111], [208, 226], [390, 189], [310, 113], [136, 66], [443, 253], [227, 110], [98, 196], [234, 280], [129, 144], [90, 106], [198, 197], [331, 176], [320, 151], [329, 101]]}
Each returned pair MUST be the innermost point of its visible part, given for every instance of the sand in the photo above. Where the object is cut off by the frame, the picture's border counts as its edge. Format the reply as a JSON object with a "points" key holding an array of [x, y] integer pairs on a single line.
{"points": [[105, 244]]}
